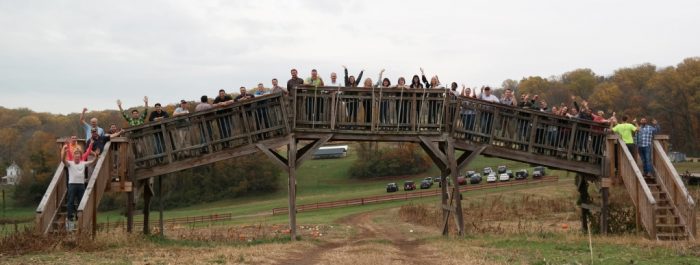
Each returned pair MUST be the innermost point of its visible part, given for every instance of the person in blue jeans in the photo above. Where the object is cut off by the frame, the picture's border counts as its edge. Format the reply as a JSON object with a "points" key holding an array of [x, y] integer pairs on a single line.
{"points": [[645, 135], [76, 181]]}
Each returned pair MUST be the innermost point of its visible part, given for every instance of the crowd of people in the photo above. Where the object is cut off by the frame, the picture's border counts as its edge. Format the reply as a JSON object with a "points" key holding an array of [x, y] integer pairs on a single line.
{"points": [[636, 134]]}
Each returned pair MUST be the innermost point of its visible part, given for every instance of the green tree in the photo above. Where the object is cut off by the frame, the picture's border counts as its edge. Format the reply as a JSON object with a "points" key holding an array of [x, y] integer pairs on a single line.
{"points": [[580, 82]]}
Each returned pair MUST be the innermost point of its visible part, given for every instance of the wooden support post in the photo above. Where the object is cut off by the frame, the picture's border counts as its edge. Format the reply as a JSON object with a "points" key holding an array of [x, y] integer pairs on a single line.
{"points": [[160, 206], [443, 201], [130, 202], [130, 211], [582, 187], [292, 163], [147, 195], [456, 196], [604, 213]]}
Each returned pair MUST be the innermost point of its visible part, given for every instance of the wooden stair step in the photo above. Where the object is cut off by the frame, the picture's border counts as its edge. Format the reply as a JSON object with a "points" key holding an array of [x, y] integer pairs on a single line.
{"points": [[672, 235], [670, 225]]}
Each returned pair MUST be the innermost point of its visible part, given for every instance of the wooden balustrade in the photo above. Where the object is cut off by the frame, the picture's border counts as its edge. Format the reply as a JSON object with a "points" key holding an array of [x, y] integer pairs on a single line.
{"points": [[529, 131], [101, 175], [52, 201], [637, 187], [353, 110], [677, 192], [198, 134]]}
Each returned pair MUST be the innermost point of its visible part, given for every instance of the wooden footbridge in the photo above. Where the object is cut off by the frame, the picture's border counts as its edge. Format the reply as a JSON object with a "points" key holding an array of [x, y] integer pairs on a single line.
{"points": [[452, 131]]}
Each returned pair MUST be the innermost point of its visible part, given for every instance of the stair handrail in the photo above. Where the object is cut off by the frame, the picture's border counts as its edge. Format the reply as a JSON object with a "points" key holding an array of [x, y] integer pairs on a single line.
{"points": [[87, 208], [645, 202], [678, 193], [51, 202]]}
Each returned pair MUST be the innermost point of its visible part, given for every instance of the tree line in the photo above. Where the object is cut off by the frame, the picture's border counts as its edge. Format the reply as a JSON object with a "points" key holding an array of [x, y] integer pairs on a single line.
{"points": [[669, 94]]}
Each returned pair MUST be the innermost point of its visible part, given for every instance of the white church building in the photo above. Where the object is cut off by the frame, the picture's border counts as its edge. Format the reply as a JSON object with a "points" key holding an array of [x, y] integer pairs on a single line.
{"points": [[14, 174]]}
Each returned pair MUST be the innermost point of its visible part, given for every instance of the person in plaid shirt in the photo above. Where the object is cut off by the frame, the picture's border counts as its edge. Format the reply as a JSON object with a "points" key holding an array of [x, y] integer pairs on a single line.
{"points": [[136, 118], [645, 134]]}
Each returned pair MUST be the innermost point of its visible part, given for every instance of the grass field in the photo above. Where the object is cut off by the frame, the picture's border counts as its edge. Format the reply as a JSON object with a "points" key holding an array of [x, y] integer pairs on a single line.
{"points": [[317, 181], [502, 228]]}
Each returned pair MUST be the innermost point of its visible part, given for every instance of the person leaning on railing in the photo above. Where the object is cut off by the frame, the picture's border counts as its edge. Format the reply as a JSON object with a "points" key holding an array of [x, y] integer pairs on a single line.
{"points": [[467, 112], [276, 88], [294, 81], [158, 115], [384, 103]]}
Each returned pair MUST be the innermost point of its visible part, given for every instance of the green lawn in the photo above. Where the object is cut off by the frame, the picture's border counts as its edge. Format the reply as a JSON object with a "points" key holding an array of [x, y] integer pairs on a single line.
{"points": [[10, 210], [317, 181]]}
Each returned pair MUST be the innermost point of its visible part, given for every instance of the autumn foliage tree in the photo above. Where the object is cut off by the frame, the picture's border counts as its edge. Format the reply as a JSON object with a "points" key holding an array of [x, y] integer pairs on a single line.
{"points": [[670, 94]]}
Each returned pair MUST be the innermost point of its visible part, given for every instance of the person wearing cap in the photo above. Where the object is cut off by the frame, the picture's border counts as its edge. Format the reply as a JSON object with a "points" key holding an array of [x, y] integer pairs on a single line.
{"points": [[182, 109], [486, 95], [96, 142]]}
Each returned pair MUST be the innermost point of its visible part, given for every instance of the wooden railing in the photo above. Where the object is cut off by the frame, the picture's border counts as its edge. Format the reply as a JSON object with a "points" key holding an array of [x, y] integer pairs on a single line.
{"points": [[195, 135], [636, 187], [431, 111], [677, 192], [52, 201], [99, 178], [362, 110], [525, 130]]}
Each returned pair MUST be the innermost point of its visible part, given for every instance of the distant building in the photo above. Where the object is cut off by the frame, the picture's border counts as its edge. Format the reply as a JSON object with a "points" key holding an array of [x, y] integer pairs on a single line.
{"points": [[14, 174], [331, 152]]}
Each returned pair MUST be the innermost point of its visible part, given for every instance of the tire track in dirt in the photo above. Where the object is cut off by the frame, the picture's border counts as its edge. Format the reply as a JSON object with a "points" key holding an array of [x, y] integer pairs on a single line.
{"points": [[368, 232]]}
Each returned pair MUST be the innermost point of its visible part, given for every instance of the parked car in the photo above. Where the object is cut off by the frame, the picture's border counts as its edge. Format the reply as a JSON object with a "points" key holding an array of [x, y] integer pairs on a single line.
{"points": [[392, 187], [538, 172], [487, 171], [503, 177], [437, 179], [502, 169], [425, 184], [461, 180], [429, 179], [521, 174], [475, 178], [409, 185], [510, 174], [491, 177], [470, 173]]}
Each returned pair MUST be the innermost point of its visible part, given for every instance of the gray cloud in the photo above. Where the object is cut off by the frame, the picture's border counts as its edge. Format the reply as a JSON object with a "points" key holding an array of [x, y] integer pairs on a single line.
{"points": [[89, 53]]}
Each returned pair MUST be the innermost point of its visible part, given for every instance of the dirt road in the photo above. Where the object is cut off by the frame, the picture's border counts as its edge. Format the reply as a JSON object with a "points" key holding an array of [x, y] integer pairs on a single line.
{"points": [[377, 237]]}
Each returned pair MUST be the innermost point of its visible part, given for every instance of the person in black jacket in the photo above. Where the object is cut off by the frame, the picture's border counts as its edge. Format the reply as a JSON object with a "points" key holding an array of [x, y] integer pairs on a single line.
{"points": [[350, 81]]}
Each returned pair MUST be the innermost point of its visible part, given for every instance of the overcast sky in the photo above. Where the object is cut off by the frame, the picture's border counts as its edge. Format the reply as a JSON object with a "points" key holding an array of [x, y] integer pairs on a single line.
{"points": [[60, 56]]}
